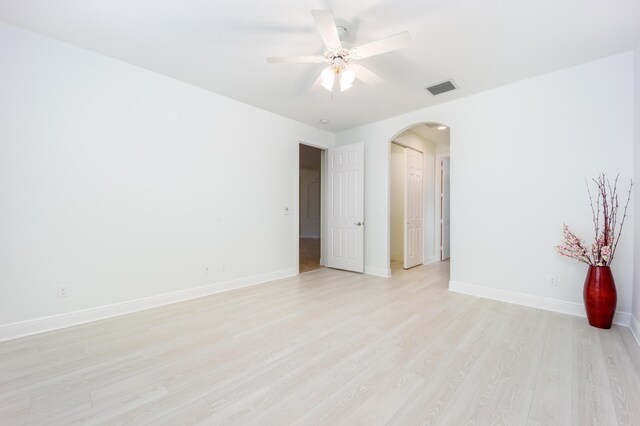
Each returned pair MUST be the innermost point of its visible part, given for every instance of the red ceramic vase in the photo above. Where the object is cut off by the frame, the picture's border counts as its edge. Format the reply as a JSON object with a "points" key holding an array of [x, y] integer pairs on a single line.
{"points": [[600, 296]]}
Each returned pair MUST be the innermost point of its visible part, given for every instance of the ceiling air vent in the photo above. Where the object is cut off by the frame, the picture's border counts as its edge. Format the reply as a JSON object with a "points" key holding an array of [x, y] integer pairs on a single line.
{"points": [[445, 86]]}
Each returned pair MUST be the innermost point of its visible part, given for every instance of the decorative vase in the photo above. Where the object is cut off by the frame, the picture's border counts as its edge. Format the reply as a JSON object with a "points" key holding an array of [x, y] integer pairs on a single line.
{"points": [[600, 296]]}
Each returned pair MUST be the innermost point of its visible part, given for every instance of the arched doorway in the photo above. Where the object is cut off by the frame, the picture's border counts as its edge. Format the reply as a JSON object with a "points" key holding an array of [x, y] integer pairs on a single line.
{"points": [[419, 195]]}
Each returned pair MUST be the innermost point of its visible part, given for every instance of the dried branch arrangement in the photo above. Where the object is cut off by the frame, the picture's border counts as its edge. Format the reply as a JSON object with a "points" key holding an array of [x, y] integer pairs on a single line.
{"points": [[604, 211]]}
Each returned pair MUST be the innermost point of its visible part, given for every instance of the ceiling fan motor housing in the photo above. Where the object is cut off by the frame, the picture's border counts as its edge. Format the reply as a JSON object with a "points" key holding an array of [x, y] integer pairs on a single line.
{"points": [[341, 54]]}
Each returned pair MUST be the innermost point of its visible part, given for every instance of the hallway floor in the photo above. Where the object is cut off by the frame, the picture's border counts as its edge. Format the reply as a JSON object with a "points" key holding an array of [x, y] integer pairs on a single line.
{"points": [[309, 254]]}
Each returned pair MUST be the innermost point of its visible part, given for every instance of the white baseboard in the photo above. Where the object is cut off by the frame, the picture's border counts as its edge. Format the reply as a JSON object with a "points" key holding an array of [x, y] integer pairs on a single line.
{"points": [[634, 326], [379, 272], [555, 305], [54, 322], [428, 260]]}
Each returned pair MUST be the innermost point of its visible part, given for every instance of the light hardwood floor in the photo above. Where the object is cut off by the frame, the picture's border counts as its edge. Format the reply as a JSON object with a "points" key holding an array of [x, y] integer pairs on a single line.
{"points": [[309, 254], [327, 347]]}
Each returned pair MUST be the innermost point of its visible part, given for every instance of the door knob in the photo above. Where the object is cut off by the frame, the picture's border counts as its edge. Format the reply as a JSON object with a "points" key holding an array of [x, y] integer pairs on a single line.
{"points": [[359, 223]]}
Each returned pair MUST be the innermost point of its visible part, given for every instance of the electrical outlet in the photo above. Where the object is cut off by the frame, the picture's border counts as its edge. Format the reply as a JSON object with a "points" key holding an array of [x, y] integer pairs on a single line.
{"points": [[63, 291], [553, 281]]}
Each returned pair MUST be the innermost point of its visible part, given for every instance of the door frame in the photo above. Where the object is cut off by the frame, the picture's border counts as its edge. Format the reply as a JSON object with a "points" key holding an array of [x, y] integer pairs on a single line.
{"points": [[438, 233], [296, 208]]}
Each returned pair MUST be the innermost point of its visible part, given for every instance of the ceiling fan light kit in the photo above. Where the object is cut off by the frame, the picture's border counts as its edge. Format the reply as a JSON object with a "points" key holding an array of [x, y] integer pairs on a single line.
{"points": [[347, 78], [337, 71], [342, 67]]}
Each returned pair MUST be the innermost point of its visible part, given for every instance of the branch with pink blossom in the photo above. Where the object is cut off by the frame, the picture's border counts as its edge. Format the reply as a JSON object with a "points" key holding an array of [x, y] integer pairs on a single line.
{"points": [[604, 212]]}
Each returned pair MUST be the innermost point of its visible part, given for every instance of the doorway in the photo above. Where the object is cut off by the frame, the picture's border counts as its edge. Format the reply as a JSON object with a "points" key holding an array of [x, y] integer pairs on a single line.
{"points": [[415, 198], [310, 208]]}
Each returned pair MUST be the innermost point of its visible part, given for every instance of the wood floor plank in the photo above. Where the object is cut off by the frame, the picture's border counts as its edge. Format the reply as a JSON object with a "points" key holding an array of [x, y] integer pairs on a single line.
{"points": [[625, 387], [592, 398], [12, 411], [471, 401], [632, 346], [385, 399], [552, 399], [514, 393], [429, 402], [326, 347]]}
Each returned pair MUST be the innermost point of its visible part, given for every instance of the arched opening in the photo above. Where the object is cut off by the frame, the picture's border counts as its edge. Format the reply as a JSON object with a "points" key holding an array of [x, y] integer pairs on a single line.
{"points": [[419, 193]]}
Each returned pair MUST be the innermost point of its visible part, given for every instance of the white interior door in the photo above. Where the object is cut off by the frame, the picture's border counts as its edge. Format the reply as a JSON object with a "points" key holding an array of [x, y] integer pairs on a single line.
{"points": [[345, 207], [413, 209], [444, 202]]}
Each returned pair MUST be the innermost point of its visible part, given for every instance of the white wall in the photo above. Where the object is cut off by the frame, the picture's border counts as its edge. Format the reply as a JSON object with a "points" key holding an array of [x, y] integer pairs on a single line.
{"points": [[442, 148], [396, 178], [310, 203], [519, 156], [123, 184], [635, 320]]}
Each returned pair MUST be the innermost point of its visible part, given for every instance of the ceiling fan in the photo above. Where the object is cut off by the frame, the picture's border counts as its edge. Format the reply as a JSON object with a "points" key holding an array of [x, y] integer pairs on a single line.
{"points": [[342, 61]]}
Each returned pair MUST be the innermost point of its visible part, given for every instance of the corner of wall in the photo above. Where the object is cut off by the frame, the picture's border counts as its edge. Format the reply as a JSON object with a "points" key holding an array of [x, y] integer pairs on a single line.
{"points": [[544, 303], [55, 322], [635, 288], [634, 326]]}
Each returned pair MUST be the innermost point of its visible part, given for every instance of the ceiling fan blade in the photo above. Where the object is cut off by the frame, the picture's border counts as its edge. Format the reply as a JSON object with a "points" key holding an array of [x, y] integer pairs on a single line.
{"points": [[365, 75], [327, 28], [295, 59], [387, 44], [317, 85]]}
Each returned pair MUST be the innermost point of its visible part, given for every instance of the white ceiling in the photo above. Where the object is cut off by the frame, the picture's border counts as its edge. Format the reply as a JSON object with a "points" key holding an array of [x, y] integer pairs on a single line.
{"points": [[221, 46], [431, 133]]}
